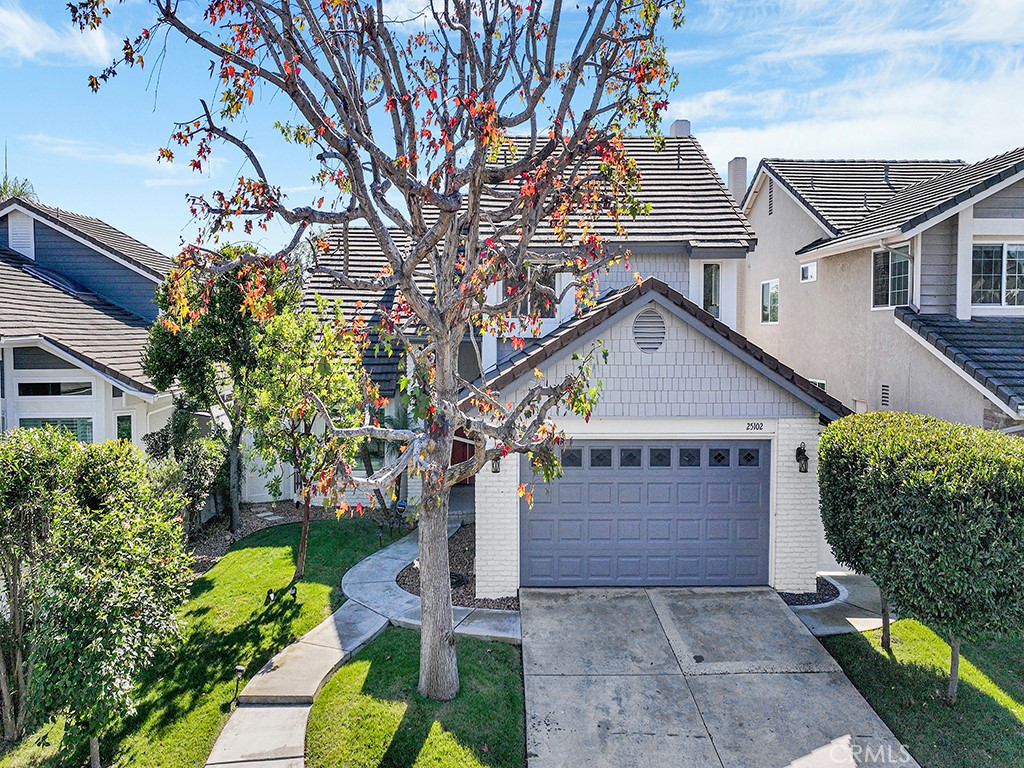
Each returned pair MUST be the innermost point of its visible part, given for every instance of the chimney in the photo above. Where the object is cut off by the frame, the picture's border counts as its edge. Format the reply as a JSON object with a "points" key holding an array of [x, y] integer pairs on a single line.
{"points": [[680, 129], [736, 178]]}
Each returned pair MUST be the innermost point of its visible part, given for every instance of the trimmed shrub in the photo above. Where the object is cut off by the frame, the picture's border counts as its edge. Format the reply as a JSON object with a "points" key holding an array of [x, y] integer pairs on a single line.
{"points": [[934, 512]]}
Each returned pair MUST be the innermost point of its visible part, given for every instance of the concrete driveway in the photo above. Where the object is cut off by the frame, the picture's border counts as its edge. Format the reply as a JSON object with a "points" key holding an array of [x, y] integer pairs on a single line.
{"points": [[686, 678]]}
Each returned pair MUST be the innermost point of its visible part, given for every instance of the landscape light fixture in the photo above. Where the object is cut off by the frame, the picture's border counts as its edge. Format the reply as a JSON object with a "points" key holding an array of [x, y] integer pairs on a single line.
{"points": [[270, 597], [801, 457], [239, 671], [293, 591]]}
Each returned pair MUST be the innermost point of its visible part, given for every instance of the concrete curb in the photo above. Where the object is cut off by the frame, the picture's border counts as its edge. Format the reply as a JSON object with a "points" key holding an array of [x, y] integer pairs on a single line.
{"points": [[268, 729], [857, 609]]}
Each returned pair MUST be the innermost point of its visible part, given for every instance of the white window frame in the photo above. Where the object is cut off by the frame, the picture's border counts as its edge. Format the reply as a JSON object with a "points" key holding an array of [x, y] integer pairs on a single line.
{"points": [[1006, 245], [819, 383], [812, 272], [891, 250], [718, 289], [766, 309]]}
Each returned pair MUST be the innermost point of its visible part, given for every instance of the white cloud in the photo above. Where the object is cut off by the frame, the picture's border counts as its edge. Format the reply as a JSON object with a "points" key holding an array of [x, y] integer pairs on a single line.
{"points": [[24, 37], [170, 174]]}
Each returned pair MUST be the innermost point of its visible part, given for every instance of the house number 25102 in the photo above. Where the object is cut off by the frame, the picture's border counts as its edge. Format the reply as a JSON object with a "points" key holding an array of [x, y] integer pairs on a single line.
{"points": [[755, 426]]}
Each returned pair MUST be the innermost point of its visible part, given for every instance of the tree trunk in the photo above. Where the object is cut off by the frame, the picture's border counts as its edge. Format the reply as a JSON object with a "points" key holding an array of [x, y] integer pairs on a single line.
{"points": [[439, 672], [300, 561], [954, 669], [94, 752], [7, 701], [886, 638], [364, 454], [235, 478]]}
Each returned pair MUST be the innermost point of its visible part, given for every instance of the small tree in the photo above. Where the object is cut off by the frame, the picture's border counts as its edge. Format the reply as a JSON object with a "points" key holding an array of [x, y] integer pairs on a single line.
{"points": [[934, 512], [108, 595], [185, 462], [36, 478], [212, 358], [307, 365]]}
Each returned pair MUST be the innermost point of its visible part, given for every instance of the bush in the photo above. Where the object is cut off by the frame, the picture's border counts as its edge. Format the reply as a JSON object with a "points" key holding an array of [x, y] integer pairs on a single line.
{"points": [[934, 512]]}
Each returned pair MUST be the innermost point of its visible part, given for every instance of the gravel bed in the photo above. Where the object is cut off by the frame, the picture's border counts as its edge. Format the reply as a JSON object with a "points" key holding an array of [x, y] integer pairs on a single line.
{"points": [[826, 591], [461, 560]]}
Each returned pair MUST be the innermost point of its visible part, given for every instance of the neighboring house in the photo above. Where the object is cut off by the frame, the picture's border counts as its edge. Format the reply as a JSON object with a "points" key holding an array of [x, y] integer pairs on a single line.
{"points": [[894, 284], [76, 302], [687, 473]]}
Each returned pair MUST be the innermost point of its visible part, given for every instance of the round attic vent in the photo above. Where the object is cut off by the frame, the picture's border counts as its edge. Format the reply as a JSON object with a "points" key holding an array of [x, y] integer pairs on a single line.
{"points": [[649, 330]]}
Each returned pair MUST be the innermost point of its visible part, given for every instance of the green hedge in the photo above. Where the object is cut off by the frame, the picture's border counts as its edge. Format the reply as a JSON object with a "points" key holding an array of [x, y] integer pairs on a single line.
{"points": [[934, 512]]}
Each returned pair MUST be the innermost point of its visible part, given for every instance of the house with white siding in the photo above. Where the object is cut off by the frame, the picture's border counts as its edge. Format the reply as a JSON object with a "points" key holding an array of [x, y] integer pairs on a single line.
{"points": [[894, 284], [698, 465], [76, 303]]}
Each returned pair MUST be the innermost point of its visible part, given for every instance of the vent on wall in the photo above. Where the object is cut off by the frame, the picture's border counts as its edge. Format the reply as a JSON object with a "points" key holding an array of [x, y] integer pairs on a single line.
{"points": [[771, 196], [21, 234], [885, 395], [649, 330]]}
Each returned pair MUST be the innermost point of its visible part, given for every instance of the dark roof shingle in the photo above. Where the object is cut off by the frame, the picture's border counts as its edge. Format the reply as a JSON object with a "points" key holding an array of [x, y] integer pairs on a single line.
{"points": [[841, 193], [99, 334], [989, 349], [100, 234]]}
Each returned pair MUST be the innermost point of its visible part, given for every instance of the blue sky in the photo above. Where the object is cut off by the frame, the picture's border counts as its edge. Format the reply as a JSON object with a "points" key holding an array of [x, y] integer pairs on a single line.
{"points": [[780, 78]]}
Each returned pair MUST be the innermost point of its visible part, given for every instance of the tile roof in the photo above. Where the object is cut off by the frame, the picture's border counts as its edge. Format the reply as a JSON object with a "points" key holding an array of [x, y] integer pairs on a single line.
{"points": [[99, 334], [523, 363], [100, 234], [989, 349], [690, 205], [364, 261], [918, 203], [840, 193]]}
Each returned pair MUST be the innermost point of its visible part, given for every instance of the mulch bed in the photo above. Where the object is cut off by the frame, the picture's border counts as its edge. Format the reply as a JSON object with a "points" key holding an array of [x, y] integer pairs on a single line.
{"points": [[462, 561], [826, 591]]}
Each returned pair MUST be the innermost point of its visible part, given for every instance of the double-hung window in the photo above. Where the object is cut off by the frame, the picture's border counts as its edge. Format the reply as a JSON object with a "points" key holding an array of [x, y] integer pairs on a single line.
{"points": [[997, 274], [890, 277], [770, 301]]}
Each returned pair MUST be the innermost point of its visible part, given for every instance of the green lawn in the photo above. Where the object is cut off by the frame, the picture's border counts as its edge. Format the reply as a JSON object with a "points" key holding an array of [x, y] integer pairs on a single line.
{"points": [[370, 715], [907, 689], [186, 698]]}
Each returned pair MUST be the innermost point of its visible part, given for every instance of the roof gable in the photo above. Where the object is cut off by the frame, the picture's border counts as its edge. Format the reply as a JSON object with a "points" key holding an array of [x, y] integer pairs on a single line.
{"points": [[571, 333], [103, 238], [841, 193], [84, 326]]}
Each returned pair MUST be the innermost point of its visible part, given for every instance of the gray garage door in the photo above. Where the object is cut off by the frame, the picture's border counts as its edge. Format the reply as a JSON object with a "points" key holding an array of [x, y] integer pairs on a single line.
{"points": [[679, 513]]}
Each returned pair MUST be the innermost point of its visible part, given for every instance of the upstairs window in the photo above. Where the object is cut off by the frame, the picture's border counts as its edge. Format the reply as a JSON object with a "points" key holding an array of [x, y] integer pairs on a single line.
{"points": [[809, 272], [770, 301], [997, 275], [712, 299], [54, 389], [544, 304], [890, 277]]}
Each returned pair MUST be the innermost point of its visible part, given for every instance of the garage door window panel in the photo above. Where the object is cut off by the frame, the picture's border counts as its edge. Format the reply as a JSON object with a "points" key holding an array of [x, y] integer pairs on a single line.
{"points": [[719, 457], [572, 458], [689, 457], [630, 457], [600, 458], [660, 458]]}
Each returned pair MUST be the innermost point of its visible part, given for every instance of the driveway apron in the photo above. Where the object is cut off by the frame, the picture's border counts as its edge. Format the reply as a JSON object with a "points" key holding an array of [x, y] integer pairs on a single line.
{"points": [[687, 678]]}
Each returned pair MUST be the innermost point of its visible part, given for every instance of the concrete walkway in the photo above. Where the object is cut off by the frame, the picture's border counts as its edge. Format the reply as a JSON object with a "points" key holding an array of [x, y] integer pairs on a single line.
{"points": [[688, 678], [857, 609], [268, 730]]}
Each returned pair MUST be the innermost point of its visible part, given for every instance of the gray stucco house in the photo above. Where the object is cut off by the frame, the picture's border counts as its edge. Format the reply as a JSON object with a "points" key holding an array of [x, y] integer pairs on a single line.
{"points": [[76, 302], [894, 284]]}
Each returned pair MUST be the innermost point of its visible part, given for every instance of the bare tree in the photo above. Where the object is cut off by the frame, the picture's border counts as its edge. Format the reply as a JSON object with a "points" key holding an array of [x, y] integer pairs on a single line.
{"points": [[480, 142]]}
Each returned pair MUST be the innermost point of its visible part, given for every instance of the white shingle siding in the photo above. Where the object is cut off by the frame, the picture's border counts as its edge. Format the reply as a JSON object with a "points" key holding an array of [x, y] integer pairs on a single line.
{"points": [[692, 387]]}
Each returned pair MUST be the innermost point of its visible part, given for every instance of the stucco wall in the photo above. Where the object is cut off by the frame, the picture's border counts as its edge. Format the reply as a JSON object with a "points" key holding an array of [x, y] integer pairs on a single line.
{"points": [[828, 330]]}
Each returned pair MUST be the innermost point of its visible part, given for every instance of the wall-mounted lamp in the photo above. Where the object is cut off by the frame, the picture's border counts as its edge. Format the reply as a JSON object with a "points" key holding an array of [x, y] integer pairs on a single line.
{"points": [[801, 457], [495, 465]]}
